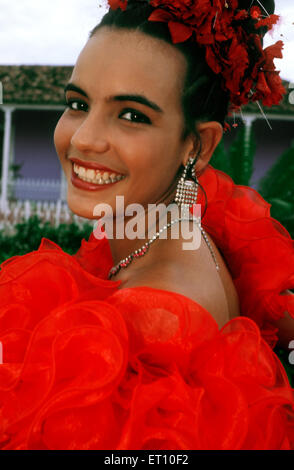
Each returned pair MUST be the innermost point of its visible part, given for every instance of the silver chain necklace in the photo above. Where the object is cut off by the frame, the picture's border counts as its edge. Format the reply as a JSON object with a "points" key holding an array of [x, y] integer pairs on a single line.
{"points": [[186, 196], [124, 263]]}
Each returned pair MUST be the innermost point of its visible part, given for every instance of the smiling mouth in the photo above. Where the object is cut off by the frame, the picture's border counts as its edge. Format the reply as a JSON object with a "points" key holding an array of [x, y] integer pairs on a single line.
{"points": [[97, 177]]}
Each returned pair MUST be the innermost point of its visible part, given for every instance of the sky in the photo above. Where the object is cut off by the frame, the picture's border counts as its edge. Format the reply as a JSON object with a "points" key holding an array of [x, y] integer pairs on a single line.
{"points": [[53, 32]]}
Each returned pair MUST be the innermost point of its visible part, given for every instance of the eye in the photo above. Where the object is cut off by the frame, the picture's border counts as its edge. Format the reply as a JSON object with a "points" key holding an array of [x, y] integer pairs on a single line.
{"points": [[74, 105], [140, 118]]}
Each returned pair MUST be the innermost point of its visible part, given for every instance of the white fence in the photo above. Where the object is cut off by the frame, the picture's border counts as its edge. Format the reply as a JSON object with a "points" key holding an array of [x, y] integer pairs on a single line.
{"points": [[55, 213], [34, 189]]}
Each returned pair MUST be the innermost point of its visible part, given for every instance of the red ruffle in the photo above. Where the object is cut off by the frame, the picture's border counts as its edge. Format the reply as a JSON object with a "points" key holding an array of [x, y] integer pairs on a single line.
{"points": [[89, 366], [134, 368], [257, 248]]}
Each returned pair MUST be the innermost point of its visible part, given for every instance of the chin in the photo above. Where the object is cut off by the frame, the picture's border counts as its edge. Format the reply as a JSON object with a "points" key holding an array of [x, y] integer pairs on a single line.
{"points": [[80, 209]]}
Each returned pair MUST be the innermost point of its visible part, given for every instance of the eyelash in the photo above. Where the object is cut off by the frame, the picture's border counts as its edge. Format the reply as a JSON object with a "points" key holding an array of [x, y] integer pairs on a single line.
{"points": [[146, 120]]}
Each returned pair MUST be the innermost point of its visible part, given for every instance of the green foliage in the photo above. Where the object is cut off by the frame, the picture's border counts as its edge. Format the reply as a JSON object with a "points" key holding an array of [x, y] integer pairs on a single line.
{"points": [[221, 159], [28, 236], [242, 154], [277, 188], [237, 162], [278, 181], [283, 355], [15, 169]]}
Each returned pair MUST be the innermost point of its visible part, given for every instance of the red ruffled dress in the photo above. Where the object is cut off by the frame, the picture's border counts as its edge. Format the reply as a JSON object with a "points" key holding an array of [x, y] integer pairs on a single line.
{"points": [[89, 366]]}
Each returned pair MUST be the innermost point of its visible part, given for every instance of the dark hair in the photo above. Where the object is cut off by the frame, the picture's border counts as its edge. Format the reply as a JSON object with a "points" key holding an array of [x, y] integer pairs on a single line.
{"points": [[203, 98]]}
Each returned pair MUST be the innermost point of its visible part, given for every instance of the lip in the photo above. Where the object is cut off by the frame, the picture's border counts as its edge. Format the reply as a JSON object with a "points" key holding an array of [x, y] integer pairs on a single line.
{"points": [[76, 181], [93, 166]]}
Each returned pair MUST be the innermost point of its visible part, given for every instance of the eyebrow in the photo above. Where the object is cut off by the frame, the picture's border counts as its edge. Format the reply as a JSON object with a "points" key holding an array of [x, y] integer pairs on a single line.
{"points": [[125, 97]]}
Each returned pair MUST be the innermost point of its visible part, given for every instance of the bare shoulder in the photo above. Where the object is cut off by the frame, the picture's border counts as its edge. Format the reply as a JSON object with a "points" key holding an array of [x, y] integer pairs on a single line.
{"points": [[202, 291], [191, 273]]}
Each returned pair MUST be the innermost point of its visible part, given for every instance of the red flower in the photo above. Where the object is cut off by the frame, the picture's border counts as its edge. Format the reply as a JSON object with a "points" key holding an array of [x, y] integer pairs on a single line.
{"points": [[238, 57], [273, 52], [227, 127], [241, 15], [232, 50], [276, 89], [255, 12], [115, 4], [269, 22]]}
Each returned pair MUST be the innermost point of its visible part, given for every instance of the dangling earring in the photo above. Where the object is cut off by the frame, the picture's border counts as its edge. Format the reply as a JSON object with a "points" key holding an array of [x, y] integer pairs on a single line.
{"points": [[187, 189], [186, 196]]}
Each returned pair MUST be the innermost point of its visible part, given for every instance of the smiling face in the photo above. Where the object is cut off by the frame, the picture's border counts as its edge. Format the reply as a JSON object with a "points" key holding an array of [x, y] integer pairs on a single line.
{"points": [[135, 138]]}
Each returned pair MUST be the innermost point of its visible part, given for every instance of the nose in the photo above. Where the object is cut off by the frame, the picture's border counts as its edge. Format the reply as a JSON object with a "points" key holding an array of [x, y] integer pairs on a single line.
{"points": [[90, 136]]}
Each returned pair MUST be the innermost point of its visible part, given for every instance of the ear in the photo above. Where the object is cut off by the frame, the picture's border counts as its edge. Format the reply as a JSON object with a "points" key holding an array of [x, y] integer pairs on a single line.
{"points": [[210, 134]]}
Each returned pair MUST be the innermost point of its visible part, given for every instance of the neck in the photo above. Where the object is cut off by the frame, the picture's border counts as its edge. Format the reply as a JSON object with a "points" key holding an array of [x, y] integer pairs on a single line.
{"points": [[131, 233]]}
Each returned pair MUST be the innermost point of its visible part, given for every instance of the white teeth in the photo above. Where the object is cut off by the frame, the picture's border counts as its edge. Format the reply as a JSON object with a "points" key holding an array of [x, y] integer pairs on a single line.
{"points": [[90, 174], [95, 176]]}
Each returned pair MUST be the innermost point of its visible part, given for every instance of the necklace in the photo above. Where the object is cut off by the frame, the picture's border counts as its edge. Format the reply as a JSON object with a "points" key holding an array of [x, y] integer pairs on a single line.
{"points": [[124, 263], [186, 196]]}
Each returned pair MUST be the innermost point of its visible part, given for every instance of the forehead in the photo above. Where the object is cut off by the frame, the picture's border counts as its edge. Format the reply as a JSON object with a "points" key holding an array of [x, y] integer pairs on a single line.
{"points": [[117, 60]]}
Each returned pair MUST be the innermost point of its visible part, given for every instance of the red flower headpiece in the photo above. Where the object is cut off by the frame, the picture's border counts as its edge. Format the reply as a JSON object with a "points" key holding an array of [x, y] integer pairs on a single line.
{"points": [[232, 39]]}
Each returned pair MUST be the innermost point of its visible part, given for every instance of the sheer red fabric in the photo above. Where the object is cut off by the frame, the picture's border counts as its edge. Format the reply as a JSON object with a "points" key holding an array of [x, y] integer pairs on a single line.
{"points": [[257, 248], [89, 366]]}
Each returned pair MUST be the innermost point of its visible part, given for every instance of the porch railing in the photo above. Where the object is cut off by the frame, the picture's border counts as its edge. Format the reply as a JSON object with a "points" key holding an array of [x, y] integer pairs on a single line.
{"points": [[55, 212], [34, 189]]}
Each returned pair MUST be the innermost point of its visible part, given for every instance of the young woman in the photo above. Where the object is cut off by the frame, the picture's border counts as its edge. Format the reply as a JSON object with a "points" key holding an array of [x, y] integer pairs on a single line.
{"points": [[137, 343]]}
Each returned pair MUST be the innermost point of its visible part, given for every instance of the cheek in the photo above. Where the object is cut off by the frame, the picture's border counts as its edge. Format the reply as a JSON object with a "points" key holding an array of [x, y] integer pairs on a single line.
{"points": [[152, 164], [144, 154], [158, 157], [62, 137]]}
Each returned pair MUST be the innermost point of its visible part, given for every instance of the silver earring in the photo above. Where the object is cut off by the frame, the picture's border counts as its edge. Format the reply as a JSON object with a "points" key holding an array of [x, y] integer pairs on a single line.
{"points": [[187, 189], [186, 196]]}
